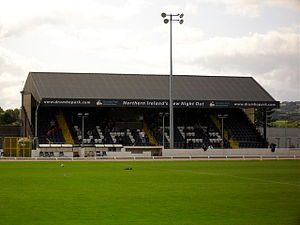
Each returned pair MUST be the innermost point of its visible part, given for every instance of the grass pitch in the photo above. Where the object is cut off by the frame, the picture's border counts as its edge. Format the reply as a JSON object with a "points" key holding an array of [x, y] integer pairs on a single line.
{"points": [[173, 192]]}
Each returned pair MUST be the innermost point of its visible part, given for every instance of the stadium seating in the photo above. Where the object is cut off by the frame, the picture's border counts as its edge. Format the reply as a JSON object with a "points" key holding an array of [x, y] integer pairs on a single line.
{"points": [[242, 129], [189, 132], [46, 133], [195, 136], [123, 136]]}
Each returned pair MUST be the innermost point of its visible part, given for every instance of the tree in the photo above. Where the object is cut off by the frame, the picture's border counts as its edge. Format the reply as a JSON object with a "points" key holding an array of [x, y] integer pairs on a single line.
{"points": [[9, 116]]}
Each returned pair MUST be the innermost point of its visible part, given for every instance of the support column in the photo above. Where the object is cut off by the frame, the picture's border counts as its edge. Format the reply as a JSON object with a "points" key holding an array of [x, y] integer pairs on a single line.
{"points": [[185, 122], [265, 126]]}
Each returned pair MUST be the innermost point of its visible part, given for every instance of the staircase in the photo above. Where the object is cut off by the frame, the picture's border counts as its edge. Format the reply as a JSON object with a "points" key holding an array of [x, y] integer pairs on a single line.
{"points": [[64, 128], [147, 131], [232, 143]]}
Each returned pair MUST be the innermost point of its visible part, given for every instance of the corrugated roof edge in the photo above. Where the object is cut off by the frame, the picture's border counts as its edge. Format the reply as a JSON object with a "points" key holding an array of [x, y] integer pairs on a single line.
{"points": [[263, 89], [32, 81], [134, 74], [34, 76]]}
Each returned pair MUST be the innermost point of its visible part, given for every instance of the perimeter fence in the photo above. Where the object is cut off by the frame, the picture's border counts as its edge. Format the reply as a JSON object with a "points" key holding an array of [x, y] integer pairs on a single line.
{"points": [[17, 147], [157, 158]]}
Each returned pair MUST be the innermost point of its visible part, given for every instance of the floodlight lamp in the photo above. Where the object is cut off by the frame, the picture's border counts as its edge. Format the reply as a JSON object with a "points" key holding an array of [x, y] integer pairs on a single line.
{"points": [[166, 21], [79, 114], [181, 15], [163, 15], [181, 21]]}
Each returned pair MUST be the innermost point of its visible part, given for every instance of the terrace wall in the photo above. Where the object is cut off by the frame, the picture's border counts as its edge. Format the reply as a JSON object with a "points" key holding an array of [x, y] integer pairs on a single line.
{"points": [[252, 151]]}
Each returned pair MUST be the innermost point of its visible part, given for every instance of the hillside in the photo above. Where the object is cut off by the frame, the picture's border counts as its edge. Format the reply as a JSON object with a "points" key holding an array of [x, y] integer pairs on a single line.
{"points": [[289, 111]]}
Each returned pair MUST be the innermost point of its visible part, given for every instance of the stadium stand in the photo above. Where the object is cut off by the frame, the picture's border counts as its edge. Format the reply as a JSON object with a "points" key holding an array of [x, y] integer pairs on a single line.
{"points": [[124, 109], [196, 132], [49, 131], [242, 130]]}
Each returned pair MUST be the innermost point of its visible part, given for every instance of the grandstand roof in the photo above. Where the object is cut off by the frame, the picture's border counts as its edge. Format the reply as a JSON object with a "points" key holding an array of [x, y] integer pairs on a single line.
{"points": [[48, 85]]}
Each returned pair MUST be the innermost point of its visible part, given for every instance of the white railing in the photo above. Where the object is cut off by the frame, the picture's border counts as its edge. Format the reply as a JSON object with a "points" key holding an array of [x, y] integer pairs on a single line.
{"points": [[182, 157]]}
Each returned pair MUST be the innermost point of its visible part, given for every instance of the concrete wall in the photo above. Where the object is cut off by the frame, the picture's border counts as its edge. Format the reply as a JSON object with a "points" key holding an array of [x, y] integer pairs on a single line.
{"points": [[284, 137], [90, 152], [68, 152], [252, 151]]}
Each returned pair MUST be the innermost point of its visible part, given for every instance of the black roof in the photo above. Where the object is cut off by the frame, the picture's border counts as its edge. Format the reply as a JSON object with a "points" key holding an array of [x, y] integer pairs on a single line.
{"points": [[50, 85]]}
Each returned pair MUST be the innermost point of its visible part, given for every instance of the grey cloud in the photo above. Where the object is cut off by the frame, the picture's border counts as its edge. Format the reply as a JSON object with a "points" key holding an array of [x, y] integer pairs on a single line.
{"points": [[28, 25], [254, 64], [13, 72], [278, 73]]}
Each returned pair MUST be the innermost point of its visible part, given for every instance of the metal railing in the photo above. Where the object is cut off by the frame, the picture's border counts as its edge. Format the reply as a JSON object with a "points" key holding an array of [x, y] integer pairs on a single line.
{"points": [[132, 158]]}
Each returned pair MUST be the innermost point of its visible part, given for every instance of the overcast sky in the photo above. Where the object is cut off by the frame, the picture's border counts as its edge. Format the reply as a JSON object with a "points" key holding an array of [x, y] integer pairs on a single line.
{"points": [[259, 38]]}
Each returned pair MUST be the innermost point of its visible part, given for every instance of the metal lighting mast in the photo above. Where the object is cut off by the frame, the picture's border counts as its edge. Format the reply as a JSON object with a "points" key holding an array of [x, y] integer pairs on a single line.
{"points": [[163, 114], [82, 115], [172, 17], [222, 117]]}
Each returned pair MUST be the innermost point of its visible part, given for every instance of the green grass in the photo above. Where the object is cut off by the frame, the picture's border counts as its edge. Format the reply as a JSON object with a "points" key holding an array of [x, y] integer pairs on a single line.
{"points": [[283, 123], [177, 192]]}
